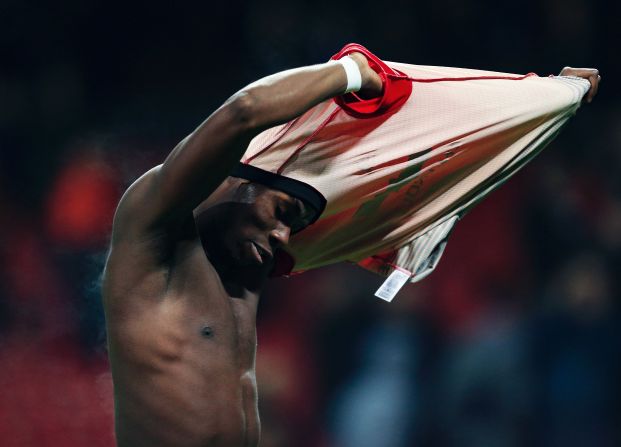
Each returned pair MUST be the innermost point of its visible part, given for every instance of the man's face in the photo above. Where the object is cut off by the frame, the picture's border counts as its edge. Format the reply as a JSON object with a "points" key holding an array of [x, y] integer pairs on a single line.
{"points": [[260, 221]]}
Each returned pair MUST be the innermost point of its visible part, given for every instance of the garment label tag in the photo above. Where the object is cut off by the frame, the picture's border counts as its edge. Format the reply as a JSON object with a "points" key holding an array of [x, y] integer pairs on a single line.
{"points": [[392, 285]]}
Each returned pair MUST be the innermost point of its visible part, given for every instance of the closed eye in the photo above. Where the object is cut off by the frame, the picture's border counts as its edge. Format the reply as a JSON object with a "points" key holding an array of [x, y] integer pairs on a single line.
{"points": [[287, 213]]}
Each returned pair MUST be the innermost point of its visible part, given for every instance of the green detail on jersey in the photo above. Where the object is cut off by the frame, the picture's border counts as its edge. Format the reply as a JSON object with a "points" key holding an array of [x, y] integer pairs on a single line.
{"points": [[370, 207]]}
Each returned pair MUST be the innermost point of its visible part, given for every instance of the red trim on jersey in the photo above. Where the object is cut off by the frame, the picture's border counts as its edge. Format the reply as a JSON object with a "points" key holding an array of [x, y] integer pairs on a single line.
{"points": [[465, 78], [396, 91]]}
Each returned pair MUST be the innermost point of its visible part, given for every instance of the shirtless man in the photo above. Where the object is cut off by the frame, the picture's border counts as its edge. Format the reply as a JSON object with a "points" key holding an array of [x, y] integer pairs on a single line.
{"points": [[191, 249]]}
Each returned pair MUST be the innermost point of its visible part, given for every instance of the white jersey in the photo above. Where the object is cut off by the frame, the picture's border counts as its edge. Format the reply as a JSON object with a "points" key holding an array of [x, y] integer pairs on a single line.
{"points": [[397, 180]]}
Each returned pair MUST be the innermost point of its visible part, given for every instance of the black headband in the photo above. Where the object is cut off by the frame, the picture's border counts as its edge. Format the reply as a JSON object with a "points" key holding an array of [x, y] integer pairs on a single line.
{"points": [[306, 193]]}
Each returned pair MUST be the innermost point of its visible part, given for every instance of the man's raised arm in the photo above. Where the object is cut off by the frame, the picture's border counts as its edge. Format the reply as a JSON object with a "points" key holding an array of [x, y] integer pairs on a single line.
{"points": [[168, 193]]}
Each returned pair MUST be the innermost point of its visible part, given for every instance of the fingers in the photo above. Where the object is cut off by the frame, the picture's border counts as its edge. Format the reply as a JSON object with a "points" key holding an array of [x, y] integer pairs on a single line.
{"points": [[590, 74], [594, 80]]}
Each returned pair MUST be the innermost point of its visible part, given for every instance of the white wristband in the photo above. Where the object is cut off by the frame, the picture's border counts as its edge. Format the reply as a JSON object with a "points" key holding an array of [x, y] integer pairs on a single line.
{"points": [[354, 77]]}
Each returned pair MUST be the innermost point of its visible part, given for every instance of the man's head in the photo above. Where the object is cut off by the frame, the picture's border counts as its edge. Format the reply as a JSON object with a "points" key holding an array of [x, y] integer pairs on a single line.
{"points": [[251, 222]]}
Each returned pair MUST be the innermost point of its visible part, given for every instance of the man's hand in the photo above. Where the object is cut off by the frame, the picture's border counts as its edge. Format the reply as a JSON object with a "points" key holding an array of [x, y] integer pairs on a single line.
{"points": [[590, 74], [371, 82]]}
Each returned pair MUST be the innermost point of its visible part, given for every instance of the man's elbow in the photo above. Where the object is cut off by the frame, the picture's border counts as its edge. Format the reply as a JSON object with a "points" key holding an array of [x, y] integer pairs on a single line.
{"points": [[244, 111]]}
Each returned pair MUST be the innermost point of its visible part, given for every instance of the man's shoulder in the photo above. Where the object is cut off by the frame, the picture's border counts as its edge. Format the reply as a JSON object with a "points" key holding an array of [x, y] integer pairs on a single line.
{"points": [[135, 223], [132, 211]]}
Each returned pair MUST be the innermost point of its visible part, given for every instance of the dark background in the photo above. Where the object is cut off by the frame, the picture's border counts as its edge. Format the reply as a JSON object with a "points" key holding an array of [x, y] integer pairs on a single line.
{"points": [[511, 342]]}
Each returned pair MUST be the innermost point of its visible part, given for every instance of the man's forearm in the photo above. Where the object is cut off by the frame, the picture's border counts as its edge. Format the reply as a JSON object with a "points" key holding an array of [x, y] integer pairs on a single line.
{"points": [[283, 96]]}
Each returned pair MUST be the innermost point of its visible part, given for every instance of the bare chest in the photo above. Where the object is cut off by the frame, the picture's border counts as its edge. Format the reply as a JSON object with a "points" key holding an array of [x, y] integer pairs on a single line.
{"points": [[183, 305]]}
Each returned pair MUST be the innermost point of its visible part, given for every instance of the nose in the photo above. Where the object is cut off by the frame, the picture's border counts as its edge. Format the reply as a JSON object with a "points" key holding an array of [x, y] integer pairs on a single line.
{"points": [[279, 236]]}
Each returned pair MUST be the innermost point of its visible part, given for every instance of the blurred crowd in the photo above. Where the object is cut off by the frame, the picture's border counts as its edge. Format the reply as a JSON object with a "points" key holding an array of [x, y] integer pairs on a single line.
{"points": [[509, 343]]}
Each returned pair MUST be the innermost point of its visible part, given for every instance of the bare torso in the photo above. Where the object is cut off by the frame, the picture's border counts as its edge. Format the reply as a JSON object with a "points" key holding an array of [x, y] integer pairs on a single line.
{"points": [[182, 350]]}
